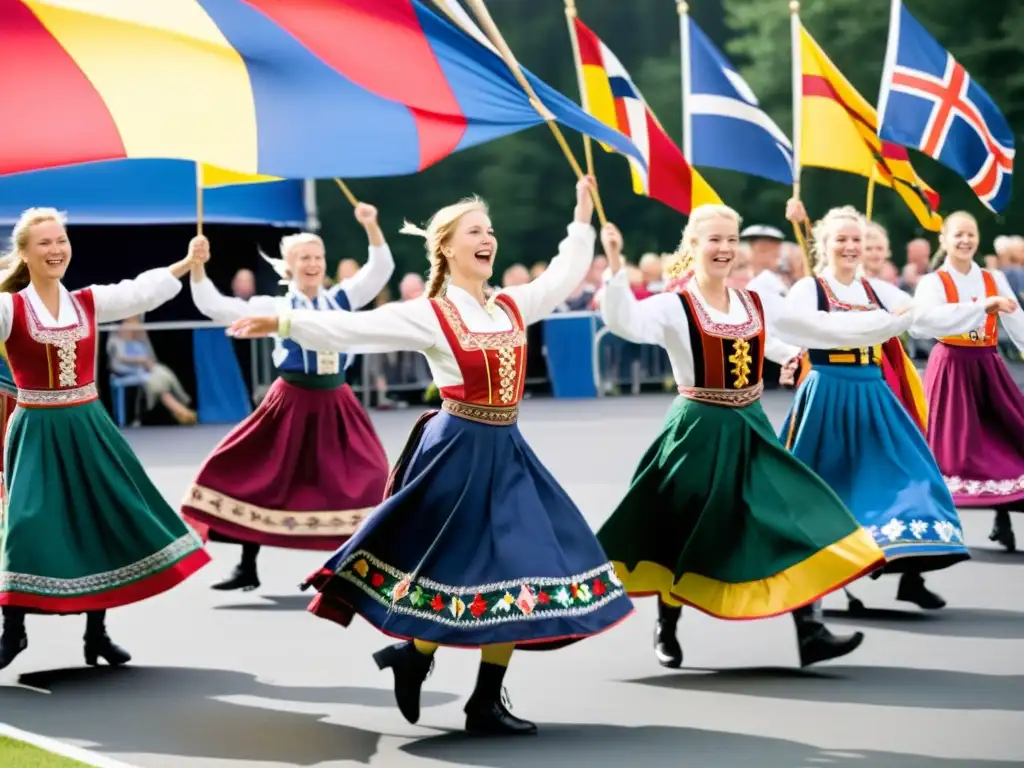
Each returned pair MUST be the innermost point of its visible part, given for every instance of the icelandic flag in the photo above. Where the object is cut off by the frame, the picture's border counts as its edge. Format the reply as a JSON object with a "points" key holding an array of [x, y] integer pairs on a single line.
{"points": [[929, 102], [725, 126]]}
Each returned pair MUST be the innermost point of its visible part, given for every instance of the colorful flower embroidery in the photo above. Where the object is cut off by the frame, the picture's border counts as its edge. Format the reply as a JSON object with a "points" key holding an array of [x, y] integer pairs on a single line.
{"points": [[527, 599]]}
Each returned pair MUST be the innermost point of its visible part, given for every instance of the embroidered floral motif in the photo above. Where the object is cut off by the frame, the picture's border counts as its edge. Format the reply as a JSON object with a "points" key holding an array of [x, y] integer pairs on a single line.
{"points": [[741, 361], [745, 330], [470, 340], [69, 334], [915, 531], [58, 396], [100, 582], [507, 374], [485, 414], [841, 306], [961, 487], [475, 606], [732, 398], [66, 357], [280, 523]]}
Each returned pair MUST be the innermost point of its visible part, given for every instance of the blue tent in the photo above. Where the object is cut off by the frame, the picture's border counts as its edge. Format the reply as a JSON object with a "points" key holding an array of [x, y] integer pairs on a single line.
{"points": [[148, 192]]}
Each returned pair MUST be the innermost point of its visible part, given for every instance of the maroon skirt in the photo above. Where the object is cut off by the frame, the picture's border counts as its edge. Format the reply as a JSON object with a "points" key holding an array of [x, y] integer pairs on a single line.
{"points": [[976, 425], [300, 472]]}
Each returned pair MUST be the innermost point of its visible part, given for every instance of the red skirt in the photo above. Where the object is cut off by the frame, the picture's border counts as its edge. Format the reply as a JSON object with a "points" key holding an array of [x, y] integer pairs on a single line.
{"points": [[300, 472]]}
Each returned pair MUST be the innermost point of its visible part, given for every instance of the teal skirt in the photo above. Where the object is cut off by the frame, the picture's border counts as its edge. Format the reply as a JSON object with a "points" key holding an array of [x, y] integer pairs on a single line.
{"points": [[83, 527]]}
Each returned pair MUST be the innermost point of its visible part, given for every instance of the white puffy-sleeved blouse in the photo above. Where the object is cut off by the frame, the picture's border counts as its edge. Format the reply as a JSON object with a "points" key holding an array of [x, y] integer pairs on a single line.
{"points": [[661, 320], [413, 325]]}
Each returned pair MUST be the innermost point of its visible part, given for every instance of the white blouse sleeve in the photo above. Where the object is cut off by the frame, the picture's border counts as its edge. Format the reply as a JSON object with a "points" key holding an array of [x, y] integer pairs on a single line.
{"points": [[934, 317], [642, 322], [775, 349], [802, 324], [396, 327], [364, 286], [538, 299], [133, 297], [1013, 322], [225, 309], [6, 315]]}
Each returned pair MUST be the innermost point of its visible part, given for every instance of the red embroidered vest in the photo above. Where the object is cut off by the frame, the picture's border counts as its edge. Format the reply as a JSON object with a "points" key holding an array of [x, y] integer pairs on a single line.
{"points": [[492, 364], [989, 335], [53, 366], [728, 360]]}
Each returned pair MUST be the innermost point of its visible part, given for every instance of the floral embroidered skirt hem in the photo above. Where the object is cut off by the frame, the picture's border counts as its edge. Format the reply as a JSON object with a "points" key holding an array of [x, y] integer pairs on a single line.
{"points": [[720, 517], [301, 472], [976, 426], [849, 428], [84, 528], [476, 544]]}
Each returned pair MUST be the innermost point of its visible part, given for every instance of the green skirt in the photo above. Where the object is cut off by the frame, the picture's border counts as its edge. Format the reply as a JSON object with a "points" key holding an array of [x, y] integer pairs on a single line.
{"points": [[721, 517], [83, 527]]}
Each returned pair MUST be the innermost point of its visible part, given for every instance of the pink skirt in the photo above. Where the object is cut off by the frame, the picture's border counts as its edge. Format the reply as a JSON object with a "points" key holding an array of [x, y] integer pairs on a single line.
{"points": [[300, 472]]}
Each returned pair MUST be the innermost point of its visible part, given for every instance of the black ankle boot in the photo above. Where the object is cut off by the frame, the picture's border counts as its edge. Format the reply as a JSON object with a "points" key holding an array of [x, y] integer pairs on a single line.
{"points": [[98, 644], [1002, 531], [245, 576], [913, 590], [13, 639], [410, 668], [487, 709], [817, 643], [666, 645]]}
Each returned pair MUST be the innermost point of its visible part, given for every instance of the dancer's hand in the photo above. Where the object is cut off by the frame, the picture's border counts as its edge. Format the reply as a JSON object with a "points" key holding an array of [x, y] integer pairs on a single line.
{"points": [[900, 311], [253, 327], [787, 377], [585, 199], [198, 250], [997, 304], [611, 242], [795, 211], [366, 214]]}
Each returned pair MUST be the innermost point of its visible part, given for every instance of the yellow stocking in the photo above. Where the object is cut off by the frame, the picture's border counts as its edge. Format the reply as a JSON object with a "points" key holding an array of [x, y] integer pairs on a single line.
{"points": [[424, 647], [499, 654]]}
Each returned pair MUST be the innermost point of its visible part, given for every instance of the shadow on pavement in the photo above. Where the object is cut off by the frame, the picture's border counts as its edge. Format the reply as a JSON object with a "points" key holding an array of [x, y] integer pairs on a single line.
{"points": [[980, 623], [874, 686], [593, 746], [174, 711]]}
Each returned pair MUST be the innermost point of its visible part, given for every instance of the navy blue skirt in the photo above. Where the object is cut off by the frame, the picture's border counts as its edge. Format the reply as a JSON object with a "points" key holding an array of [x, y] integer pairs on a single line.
{"points": [[848, 427], [476, 544]]}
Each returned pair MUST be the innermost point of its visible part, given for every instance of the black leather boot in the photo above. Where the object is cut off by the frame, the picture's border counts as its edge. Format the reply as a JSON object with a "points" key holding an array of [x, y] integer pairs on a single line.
{"points": [[913, 590], [666, 645], [410, 668], [245, 576], [817, 643], [13, 639], [1002, 531], [98, 644], [487, 710]]}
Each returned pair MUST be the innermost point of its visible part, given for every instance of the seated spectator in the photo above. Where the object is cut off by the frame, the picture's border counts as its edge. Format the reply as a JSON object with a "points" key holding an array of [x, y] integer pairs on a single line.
{"points": [[129, 353]]}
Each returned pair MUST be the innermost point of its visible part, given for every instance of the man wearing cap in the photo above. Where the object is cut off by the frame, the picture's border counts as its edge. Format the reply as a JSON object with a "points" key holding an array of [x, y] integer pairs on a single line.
{"points": [[765, 252]]}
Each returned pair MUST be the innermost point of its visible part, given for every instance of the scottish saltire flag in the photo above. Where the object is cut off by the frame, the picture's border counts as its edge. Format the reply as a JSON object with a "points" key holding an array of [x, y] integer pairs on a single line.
{"points": [[928, 101], [725, 125], [262, 88]]}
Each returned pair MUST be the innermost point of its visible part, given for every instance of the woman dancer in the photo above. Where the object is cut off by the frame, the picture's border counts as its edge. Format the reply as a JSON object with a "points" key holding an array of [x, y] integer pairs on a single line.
{"points": [[976, 422], [476, 544], [846, 424], [85, 529], [306, 466], [719, 516]]}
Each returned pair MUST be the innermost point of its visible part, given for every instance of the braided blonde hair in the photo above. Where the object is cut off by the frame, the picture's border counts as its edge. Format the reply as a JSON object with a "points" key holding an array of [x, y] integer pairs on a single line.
{"points": [[14, 274], [438, 233], [825, 227], [685, 254], [940, 252]]}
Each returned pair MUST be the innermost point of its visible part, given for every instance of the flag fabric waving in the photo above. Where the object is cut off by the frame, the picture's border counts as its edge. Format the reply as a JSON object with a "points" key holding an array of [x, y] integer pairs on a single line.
{"points": [[839, 131], [929, 102], [725, 125], [612, 98], [310, 89], [212, 177]]}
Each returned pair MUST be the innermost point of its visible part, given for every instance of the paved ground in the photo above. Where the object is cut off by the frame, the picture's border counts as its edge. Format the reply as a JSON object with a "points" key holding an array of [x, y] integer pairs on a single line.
{"points": [[251, 681]]}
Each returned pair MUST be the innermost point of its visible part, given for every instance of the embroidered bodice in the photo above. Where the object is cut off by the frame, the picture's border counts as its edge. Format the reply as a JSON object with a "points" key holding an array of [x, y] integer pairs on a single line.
{"points": [[726, 356], [985, 336], [828, 302], [290, 356], [53, 366], [492, 364]]}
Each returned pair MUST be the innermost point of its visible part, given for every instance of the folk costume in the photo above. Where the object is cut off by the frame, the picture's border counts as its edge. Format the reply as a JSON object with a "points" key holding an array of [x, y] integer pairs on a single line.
{"points": [[84, 528], [8, 396], [475, 544], [719, 516], [846, 424], [976, 410], [306, 466]]}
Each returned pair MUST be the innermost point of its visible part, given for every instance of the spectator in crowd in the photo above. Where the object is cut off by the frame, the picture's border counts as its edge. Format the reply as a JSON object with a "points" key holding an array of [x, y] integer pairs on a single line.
{"points": [[889, 273], [1009, 256], [129, 353], [651, 269], [411, 287], [243, 284], [919, 254], [538, 269], [910, 276], [517, 274], [876, 250], [990, 261], [740, 272], [346, 268], [792, 264]]}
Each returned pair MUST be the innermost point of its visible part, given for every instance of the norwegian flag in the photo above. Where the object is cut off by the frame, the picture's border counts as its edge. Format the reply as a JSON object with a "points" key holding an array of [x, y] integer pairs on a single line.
{"points": [[929, 102]]}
